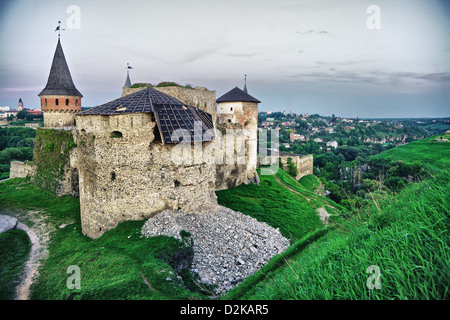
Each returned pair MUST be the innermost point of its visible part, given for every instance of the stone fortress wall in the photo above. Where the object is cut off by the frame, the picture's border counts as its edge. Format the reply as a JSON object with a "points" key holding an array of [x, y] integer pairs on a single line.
{"points": [[303, 163], [122, 173], [125, 175]]}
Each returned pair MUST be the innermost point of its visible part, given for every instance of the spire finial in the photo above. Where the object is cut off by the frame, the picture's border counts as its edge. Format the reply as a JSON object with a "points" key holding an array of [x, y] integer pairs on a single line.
{"points": [[127, 81], [58, 28], [245, 84]]}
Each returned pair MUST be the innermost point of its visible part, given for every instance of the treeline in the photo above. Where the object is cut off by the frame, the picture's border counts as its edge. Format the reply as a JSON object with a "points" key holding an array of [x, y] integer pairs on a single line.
{"points": [[354, 184], [15, 144]]}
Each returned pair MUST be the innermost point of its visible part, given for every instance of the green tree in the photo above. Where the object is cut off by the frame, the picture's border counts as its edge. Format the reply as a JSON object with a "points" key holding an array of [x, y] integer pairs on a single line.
{"points": [[22, 114]]}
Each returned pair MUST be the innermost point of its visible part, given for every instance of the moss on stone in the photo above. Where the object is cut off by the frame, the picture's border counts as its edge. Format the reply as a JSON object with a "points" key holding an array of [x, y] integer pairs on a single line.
{"points": [[51, 157]]}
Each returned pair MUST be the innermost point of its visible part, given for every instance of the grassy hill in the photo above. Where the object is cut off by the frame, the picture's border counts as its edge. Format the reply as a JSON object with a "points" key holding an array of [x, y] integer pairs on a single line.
{"points": [[282, 202], [428, 151], [405, 236]]}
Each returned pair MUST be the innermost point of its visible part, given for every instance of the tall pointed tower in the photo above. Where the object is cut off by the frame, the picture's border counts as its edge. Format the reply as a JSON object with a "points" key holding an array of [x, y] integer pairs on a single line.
{"points": [[60, 99], [20, 105]]}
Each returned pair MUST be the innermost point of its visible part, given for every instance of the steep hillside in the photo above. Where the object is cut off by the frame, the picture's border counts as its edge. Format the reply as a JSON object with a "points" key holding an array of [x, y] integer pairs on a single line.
{"points": [[402, 239], [283, 203], [395, 247]]}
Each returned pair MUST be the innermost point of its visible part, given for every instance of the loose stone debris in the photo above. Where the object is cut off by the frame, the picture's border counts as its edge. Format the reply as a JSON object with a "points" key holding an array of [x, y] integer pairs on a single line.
{"points": [[228, 245]]}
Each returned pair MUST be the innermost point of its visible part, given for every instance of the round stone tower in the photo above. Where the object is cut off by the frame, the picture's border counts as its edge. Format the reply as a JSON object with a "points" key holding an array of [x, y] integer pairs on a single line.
{"points": [[60, 99]]}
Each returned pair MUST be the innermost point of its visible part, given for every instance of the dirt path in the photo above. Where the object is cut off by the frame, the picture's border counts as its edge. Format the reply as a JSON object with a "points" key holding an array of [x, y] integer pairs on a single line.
{"points": [[39, 237]]}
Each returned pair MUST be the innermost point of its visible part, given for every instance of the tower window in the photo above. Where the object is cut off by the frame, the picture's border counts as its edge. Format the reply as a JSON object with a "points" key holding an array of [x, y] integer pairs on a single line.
{"points": [[45, 102], [116, 134], [67, 102], [76, 102], [57, 102]]}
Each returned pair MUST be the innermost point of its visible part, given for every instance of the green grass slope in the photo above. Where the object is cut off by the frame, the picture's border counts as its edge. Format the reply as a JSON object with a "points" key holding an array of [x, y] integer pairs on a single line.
{"points": [[406, 238], [119, 265], [15, 247], [404, 235], [427, 151], [280, 201]]}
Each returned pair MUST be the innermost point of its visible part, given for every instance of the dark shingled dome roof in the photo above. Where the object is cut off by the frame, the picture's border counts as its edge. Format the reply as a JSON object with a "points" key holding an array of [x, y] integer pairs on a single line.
{"points": [[170, 113], [60, 81], [237, 94]]}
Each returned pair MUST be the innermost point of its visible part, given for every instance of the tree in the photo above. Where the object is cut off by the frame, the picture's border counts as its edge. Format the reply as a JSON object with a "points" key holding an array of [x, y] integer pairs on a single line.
{"points": [[22, 114]]}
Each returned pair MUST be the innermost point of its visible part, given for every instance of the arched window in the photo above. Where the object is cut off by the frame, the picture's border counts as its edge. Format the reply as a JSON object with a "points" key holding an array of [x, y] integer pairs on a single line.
{"points": [[45, 102], [67, 102], [76, 102], [116, 134], [57, 102]]}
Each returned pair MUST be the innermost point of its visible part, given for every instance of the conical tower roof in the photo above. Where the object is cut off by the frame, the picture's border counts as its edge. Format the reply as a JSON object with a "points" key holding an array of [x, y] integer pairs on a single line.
{"points": [[237, 94], [60, 81]]}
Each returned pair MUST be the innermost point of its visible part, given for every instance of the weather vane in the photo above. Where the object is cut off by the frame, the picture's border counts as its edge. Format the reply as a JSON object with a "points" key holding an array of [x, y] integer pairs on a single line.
{"points": [[58, 28], [128, 66]]}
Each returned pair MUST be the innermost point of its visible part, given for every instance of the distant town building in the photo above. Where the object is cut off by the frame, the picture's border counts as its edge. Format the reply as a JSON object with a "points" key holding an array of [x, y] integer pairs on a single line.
{"points": [[296, 136], [20, 105], [333, 144], [6, 114], [318, 140]]}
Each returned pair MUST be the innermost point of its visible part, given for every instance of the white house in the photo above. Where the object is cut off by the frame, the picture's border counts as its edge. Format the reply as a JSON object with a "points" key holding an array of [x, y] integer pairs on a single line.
{"points": [[333, 144]]}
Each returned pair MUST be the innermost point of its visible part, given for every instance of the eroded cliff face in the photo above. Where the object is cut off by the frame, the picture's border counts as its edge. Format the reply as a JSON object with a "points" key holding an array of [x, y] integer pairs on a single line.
{"points": [[124, 174]]}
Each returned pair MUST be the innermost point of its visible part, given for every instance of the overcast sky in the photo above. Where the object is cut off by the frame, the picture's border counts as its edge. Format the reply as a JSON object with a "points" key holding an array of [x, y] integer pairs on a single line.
{"points": [[313, 56]]}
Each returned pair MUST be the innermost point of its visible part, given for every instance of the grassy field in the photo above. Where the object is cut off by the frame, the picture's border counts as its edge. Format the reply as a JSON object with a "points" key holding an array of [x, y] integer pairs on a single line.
{"points": [[428, 151], [119, 265]]}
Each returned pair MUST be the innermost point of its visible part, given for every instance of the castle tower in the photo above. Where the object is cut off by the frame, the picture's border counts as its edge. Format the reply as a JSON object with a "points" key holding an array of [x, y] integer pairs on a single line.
{"points": [[238, 110], [60, 99], [20, 105]]}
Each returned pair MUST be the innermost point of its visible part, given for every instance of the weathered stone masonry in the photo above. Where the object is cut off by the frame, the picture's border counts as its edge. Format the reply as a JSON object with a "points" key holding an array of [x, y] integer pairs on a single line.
{"points": [[125, 175]]}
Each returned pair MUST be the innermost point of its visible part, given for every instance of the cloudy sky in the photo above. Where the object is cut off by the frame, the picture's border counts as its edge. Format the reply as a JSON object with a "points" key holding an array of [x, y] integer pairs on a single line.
{"points": [[314, 56]]}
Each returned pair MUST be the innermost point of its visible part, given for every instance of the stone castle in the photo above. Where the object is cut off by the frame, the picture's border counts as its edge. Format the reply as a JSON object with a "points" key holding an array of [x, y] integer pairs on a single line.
{"points": [[153, 148]]}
